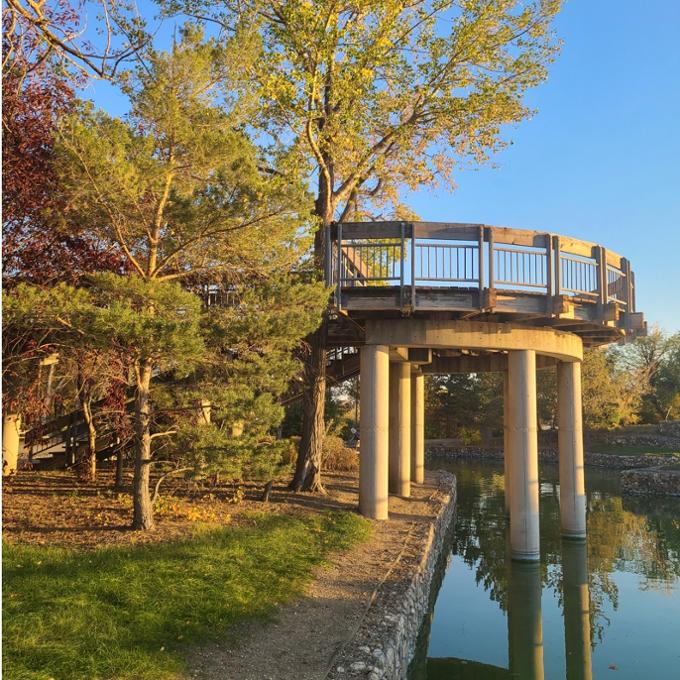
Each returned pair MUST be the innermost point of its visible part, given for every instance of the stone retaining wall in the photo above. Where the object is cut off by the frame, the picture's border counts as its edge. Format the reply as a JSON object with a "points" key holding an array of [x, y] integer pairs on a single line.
{"points": [[656, 481], [666, 434], [605, 460], [386, 639]]}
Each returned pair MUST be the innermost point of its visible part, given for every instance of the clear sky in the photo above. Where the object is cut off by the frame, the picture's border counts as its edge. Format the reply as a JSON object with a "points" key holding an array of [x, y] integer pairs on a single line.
{"points": [[601, 158]]}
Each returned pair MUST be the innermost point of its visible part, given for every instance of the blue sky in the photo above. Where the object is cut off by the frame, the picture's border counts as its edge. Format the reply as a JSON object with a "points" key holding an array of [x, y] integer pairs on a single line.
{"points": [[600, 160]]}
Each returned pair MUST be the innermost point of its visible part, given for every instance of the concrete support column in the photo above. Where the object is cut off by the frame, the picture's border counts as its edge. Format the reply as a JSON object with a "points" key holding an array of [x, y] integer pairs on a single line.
{"points": [[373, 431], [576, 610], [418, 428], [570, 444], [523, 467], [506, 441], [400, 429], [11, 431], [525, 625]]}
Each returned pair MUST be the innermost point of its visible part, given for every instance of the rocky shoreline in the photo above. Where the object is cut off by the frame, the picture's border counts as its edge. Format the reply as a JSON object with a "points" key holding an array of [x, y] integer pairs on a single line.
{"points": [[549, 455], [651, 481], [385, 641]]}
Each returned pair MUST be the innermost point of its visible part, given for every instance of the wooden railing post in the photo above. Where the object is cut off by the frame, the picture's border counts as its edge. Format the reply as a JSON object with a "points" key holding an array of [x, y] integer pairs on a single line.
{"points": [[401, 264], [549, 272], [603, 293], [490, 294], [338, 293], [413, 267], [480, 267], [490, 238], [558, 265]]}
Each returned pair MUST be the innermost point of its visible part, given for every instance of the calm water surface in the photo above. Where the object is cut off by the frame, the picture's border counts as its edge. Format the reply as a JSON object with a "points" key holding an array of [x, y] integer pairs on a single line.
{"points": [[608, 608]]}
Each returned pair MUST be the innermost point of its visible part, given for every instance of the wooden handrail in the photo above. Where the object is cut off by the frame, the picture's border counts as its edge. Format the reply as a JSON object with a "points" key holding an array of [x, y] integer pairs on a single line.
{"points": [[566, 258]]}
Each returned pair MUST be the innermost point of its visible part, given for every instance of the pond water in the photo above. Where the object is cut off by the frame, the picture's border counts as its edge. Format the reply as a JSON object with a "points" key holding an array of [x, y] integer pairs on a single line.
{"points": [[605, 608]]}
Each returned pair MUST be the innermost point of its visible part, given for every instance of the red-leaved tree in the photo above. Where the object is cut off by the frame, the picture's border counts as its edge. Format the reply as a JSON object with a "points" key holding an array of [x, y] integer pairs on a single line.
{"points": [[35, 94], [37, 248]]}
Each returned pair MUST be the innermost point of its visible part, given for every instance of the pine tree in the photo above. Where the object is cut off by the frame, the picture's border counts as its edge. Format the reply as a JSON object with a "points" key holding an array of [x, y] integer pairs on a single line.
{"points": [[181, 192]]}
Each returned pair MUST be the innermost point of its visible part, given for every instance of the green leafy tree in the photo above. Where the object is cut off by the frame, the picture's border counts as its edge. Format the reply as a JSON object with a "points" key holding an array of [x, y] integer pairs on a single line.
{"points": [[254, 342], [380, 96], [179, 190], [464, 405], [155, 324], [654, 359], [611, 395]]}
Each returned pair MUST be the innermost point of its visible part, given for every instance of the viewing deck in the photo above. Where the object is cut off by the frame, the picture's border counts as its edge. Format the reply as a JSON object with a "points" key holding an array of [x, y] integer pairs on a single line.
{"points": [[478, 272]]}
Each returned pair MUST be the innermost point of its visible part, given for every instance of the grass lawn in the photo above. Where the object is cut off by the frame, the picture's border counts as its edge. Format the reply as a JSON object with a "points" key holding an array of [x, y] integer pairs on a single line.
{"points": [[133, 611], [623, 450]]}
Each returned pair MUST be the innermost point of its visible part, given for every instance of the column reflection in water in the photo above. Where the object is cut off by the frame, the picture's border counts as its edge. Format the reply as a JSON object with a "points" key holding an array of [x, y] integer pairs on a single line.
{"points": [[576, 610], [525, 627]]}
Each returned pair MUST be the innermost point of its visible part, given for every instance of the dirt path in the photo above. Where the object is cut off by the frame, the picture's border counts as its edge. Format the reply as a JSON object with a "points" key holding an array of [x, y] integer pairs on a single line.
{"points": [[305, 636]]}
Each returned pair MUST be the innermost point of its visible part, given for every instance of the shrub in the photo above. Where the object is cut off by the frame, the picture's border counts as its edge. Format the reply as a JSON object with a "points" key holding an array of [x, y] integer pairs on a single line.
{"points": [[337, 457], [470, 436]]}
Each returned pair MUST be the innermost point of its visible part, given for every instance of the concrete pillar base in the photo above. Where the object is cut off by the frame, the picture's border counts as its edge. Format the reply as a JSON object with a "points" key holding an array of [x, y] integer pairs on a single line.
{"points": [[523, 440], [506, 443], [373, 431], [11, 435], [400, 429], [570, 445], [418, 428]]}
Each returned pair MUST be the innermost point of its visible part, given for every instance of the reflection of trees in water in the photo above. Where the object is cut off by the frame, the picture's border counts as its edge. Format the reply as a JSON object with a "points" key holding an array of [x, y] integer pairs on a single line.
{"points": [[633, 535], [647, 545], [480, 535], [664, 521]]}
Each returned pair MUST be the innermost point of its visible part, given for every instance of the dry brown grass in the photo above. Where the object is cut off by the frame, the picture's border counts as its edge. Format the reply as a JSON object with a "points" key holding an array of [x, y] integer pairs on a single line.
{"points": [[337, 457]]}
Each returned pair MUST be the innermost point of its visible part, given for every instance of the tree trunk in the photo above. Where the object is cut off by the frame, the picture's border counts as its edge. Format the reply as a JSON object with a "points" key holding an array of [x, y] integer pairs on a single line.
{"points": [[118, 486], [142, 519], [308, 467], [90, 464], [92, 454]]}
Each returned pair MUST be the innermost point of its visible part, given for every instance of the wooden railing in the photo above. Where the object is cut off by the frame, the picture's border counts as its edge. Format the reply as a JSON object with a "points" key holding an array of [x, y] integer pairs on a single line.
{"points": [[469, 256]]}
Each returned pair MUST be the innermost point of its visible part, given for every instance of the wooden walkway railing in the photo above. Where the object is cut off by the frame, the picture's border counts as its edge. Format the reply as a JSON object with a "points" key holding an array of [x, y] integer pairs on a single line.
{"points": [[467, 256]]}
